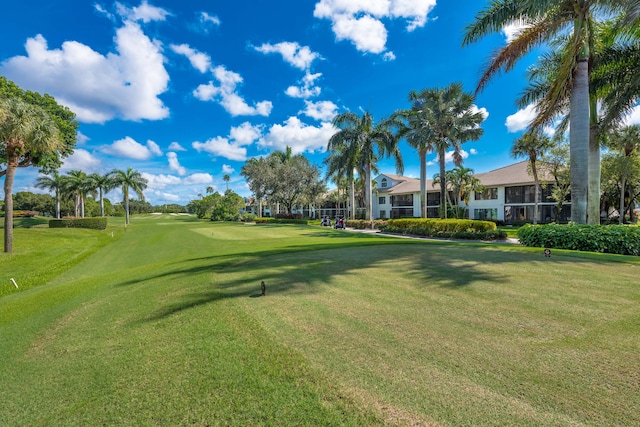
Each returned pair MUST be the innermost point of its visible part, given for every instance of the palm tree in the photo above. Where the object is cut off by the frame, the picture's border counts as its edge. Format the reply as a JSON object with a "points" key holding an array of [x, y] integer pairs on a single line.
{"points": [[627, 142], [104, 184], [53, 183], [24, 128], [533, 146], [448, 119], [342, 163], [463, 184], [367, 142], [78, 184], [543, 21], [226, 178], [129, 179]]}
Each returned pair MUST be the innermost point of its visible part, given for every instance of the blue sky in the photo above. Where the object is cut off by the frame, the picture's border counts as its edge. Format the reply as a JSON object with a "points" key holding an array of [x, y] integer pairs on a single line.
{"points": [[186, 92]]}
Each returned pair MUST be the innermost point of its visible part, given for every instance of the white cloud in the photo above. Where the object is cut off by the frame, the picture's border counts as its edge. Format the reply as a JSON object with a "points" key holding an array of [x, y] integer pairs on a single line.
{"points": [[174, 164], [200, 61], [245, 134], [145, 12], [167, 197], [205, 18], [299, 136], [322, 110], [160, 181], [199, 178], [81, 159], [360, 21], [131, 149], [521, 120], [633, 118], [227, 169], [308, 88], [513, 30], [222, 147], [298, 56], [225, 94], [96, 87], [81, 138], [389, 56], [475, 109], [448, 156], [175, 146]]}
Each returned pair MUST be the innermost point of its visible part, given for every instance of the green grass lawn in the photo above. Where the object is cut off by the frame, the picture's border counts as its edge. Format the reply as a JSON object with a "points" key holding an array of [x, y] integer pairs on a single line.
{"points": [[163, 325]]}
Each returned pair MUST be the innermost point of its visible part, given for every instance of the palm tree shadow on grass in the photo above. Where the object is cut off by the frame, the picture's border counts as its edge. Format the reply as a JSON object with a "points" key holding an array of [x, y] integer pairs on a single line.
{"points": [[292, 271]]}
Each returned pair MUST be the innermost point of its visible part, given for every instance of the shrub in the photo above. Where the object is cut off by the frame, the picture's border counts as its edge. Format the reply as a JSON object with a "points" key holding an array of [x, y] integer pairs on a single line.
{"points": [[445, 228], [92, 223], [362, 224], [288, 216], [266, 220], [615, 239], [24, 214]]}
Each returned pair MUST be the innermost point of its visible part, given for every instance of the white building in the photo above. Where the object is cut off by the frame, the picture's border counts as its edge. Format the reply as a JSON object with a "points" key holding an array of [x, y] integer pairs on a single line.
{"points": [[508, 196]]}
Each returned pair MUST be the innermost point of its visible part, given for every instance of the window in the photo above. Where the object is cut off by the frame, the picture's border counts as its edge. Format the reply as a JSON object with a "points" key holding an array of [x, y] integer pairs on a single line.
{"points": [[383, 214], [402, 200], [402, 213], [382, 200], [383, 183], [490, 193], [433, 199], [485, 214]]}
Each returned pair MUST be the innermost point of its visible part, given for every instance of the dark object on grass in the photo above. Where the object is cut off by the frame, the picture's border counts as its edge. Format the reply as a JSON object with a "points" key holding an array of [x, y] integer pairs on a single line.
{"points": [[547, 252], [263, 288]]}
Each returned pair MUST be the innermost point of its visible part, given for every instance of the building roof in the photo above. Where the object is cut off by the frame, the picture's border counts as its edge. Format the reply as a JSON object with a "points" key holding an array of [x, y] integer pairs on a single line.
{"points": [[515, 174]]}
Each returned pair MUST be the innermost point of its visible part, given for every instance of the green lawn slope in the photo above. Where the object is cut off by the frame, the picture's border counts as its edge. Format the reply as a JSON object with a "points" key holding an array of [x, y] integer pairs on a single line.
{"points": [[163, 324]]}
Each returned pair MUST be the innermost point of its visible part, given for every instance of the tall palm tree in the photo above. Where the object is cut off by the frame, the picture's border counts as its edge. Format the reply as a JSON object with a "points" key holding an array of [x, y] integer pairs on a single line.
{"points": [[226, 178], [532, 146], [543, 21], [448, 119], [463, 184], [420, 135], [54, 183], [104, 184], [129, 179], [23, 128], [342, 162], [367, 141], [626, 141], [78, 184]]}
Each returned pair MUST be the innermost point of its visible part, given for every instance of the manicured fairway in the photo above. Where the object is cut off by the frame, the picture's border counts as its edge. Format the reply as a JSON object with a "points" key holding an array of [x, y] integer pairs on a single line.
{"points": [[165, 326]]}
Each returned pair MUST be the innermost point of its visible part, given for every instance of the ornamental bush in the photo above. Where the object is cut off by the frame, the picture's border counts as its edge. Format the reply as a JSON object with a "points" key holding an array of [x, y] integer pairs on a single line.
{"points": [[265, 220], [445, 228], [99, 223], [614, 239], [362, 224]]}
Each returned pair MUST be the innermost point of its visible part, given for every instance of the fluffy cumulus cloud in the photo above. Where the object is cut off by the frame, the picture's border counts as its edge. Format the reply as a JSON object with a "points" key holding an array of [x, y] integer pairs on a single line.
{"points": [[145, 12], [227, 169], [174, 164], [224, 92], [448, 156], [232, 147], [200, 61], [321, 110], [83, 160], [297, 56], [361, 21], [198, 178], [520, 120], [131, 149], [297, 135], [161, 181], [81, 138], [307, 87], [633, 118], [97, 87], [175, 146]]}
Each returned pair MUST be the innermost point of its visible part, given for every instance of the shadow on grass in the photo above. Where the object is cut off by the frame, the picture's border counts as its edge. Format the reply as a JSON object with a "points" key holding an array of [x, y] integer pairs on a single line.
{"points": [[308, 270]]}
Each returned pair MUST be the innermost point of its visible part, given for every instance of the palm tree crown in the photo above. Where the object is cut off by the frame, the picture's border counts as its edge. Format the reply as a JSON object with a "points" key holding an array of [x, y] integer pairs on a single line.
{"points": [[129, 179]]}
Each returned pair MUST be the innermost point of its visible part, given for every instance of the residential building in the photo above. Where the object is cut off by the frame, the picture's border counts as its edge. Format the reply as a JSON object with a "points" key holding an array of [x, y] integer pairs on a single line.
{"points": [[508, 196]]}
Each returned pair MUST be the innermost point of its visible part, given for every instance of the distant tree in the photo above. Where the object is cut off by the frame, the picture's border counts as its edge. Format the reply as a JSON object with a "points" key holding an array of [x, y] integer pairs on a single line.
{"points": [[55, 183], [624, 161], [104, 184], [226, 179], [78, 184], [532, 145], [28, 201], [228, 208], [129, 179]]}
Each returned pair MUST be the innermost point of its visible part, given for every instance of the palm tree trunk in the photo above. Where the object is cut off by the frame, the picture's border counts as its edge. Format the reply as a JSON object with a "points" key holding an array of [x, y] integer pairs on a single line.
{"points": [[8, 201], [623, 183], [367, 186], [536, 194], [101, 204], [57, 204], [579, 143], [443, 184], [593, 200], [423, 183], [352, 198]]}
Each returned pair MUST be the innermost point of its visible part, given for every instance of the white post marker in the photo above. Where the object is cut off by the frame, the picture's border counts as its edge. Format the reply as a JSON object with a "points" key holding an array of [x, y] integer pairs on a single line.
{"points": [[14, 283]]}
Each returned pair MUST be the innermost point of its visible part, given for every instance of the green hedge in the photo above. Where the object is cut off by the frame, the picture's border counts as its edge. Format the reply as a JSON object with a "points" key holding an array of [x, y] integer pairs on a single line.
{"points": [[445, 228], [92, 223], [362, 224], [281, 221], [614, 239]]}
